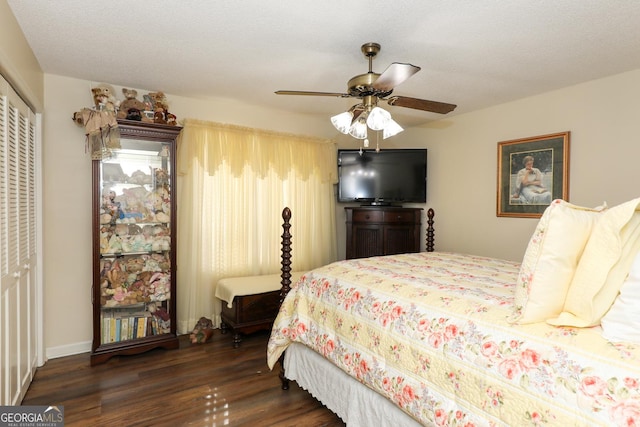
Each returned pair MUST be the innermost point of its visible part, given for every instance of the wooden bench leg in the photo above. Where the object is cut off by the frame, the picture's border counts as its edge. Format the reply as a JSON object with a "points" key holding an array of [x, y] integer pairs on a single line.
{"points": [[237, 339], [248, 314]]}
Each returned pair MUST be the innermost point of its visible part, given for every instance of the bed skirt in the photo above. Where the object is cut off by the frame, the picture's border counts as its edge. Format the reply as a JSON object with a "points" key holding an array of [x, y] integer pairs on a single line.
{"points": [[329, 384]]}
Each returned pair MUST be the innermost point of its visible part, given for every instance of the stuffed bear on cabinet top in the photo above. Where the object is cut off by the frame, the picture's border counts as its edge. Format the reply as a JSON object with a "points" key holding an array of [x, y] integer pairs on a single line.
{"points": [[132, 108]]}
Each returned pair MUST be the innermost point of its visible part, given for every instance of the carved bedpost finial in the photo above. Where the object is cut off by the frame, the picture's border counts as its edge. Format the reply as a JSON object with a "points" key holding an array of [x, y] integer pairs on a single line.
{"points": [[286, 254], [430, 232]]}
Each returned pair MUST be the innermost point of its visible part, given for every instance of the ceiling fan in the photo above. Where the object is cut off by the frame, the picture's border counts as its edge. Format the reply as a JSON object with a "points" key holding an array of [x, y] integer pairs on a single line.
{"points": [[373, 87]]}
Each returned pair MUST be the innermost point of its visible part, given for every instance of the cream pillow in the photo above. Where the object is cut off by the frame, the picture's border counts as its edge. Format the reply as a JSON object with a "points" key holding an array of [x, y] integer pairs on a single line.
{"points": [[604, 265], [551, 259], [622, 322]]}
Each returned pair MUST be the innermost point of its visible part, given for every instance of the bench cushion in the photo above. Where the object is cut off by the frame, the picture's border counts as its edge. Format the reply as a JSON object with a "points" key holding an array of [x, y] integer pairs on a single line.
{"points": [[230, 287]]}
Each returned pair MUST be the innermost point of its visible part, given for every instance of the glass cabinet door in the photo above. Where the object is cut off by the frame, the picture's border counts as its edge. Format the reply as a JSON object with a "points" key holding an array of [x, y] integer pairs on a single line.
{"points": [[134, 296]]}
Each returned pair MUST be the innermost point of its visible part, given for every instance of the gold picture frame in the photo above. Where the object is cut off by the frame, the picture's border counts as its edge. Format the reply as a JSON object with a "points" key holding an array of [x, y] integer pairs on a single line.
{"points": [[531, 173]]}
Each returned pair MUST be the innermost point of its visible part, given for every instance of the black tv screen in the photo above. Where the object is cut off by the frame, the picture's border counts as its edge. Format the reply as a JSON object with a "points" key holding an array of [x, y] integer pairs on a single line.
{"points": [[384, 177]]}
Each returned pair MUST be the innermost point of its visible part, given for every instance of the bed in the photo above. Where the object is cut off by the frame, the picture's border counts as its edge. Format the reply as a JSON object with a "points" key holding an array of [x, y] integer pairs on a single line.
{"points": [[448, 339]]}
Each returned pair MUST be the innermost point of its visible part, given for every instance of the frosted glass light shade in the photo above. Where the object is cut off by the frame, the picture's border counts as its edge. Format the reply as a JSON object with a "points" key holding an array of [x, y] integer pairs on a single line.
{"points": [[391, 129], [342, 121], [358, 130], [378, 118]]}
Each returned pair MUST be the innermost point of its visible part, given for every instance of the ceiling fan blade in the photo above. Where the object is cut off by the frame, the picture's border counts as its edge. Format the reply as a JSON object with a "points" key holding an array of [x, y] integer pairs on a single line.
{"points": [[302, 92], [421, 104], [395, 74]]}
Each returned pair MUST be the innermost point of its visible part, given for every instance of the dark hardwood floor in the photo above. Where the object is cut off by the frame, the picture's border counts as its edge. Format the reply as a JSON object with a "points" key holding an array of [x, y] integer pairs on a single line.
{"points": [[209, 384]]}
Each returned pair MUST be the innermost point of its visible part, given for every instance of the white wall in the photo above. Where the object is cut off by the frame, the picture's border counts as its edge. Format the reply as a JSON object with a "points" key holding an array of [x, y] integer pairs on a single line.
{"points": [[603, 118]]}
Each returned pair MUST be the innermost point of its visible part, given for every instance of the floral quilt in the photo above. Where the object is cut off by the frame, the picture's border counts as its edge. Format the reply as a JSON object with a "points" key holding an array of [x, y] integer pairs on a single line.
{"points": [[430, 332]]}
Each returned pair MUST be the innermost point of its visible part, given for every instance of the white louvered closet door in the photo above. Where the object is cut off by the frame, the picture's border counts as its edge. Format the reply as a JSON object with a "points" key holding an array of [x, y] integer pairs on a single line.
{"points": [[18, 249]]}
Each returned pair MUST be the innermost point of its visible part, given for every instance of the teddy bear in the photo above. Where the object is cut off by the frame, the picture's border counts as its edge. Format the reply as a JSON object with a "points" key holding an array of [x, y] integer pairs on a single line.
{"points": [[104, 98], [161, 177], [162, 317], [116, 276], [100, 124], [163, 261], [121, 229], [154, 201], [163, 217], [138, 291], [160, 286], [172, 120], [114, 290], [134, 229], [202, 332], [162, 243], [159, 104], [161, 109], [110, 206], [114, 245], [134, 264], [150, 264], [131, 108], [105, 234], [134, 204], [139, 177], [105, 218]]}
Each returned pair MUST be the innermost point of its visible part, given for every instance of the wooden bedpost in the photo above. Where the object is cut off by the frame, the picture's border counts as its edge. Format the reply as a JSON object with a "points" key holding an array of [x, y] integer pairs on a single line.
{"points": [[286, 254], [430, 232], [285, 277]]}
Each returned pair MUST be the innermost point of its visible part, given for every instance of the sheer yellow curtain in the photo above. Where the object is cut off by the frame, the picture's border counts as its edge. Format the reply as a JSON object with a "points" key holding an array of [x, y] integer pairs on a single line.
{"points": [[233, 183]]}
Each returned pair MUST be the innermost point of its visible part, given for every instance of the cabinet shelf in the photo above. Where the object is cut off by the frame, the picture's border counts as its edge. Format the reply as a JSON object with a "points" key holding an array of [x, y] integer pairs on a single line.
{"points": [[134, 249], [128, 307], [123, 254]]}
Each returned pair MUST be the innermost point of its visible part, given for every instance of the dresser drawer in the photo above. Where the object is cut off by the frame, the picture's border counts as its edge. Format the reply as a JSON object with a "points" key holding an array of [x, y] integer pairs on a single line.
{"points": [[368, 216], [399, 216]]}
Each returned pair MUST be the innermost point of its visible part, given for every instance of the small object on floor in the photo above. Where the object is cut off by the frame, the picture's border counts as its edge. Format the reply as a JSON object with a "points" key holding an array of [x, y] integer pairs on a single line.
{"points": [[202, 332]]}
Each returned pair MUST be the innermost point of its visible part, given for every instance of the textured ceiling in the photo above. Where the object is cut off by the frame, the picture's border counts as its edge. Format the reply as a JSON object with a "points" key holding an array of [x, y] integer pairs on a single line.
{"points": [[473, 53]]}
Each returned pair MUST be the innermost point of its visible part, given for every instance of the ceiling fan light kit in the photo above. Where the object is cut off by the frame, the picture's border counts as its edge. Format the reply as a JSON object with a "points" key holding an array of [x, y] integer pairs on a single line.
{"points": [[391, 129], [378, 118], [342, 121], [371, 88], [358, 129]]}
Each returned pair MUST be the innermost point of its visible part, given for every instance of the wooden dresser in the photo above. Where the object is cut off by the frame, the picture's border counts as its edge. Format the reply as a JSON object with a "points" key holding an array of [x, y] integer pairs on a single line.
{"points": [[382, 230]]}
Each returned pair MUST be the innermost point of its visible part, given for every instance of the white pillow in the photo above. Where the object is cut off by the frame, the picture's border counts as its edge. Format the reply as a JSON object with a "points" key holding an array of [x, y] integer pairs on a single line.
{"points": [[551, 259], [622, 322], [603, 267]]}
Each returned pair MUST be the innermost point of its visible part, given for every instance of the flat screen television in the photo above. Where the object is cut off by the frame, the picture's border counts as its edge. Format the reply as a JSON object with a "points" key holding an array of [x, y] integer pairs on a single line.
{"points": [[387, 177]]}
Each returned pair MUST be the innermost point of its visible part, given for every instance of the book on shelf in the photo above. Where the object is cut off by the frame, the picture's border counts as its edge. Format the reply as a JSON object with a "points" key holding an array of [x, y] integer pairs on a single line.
{"points": [[124, 334], [121, 326], [105, 330]]}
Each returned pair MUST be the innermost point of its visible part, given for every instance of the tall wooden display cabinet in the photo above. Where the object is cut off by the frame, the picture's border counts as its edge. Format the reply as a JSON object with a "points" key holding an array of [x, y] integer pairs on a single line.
{"points": [[134, 242]]}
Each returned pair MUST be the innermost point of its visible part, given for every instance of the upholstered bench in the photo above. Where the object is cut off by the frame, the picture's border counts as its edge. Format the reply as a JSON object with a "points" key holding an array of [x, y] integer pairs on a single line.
{"points": [[250, 303]]}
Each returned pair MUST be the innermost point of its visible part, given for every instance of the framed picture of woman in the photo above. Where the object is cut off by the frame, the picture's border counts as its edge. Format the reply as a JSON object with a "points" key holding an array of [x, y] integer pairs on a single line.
{"points": [[531, 173]]}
